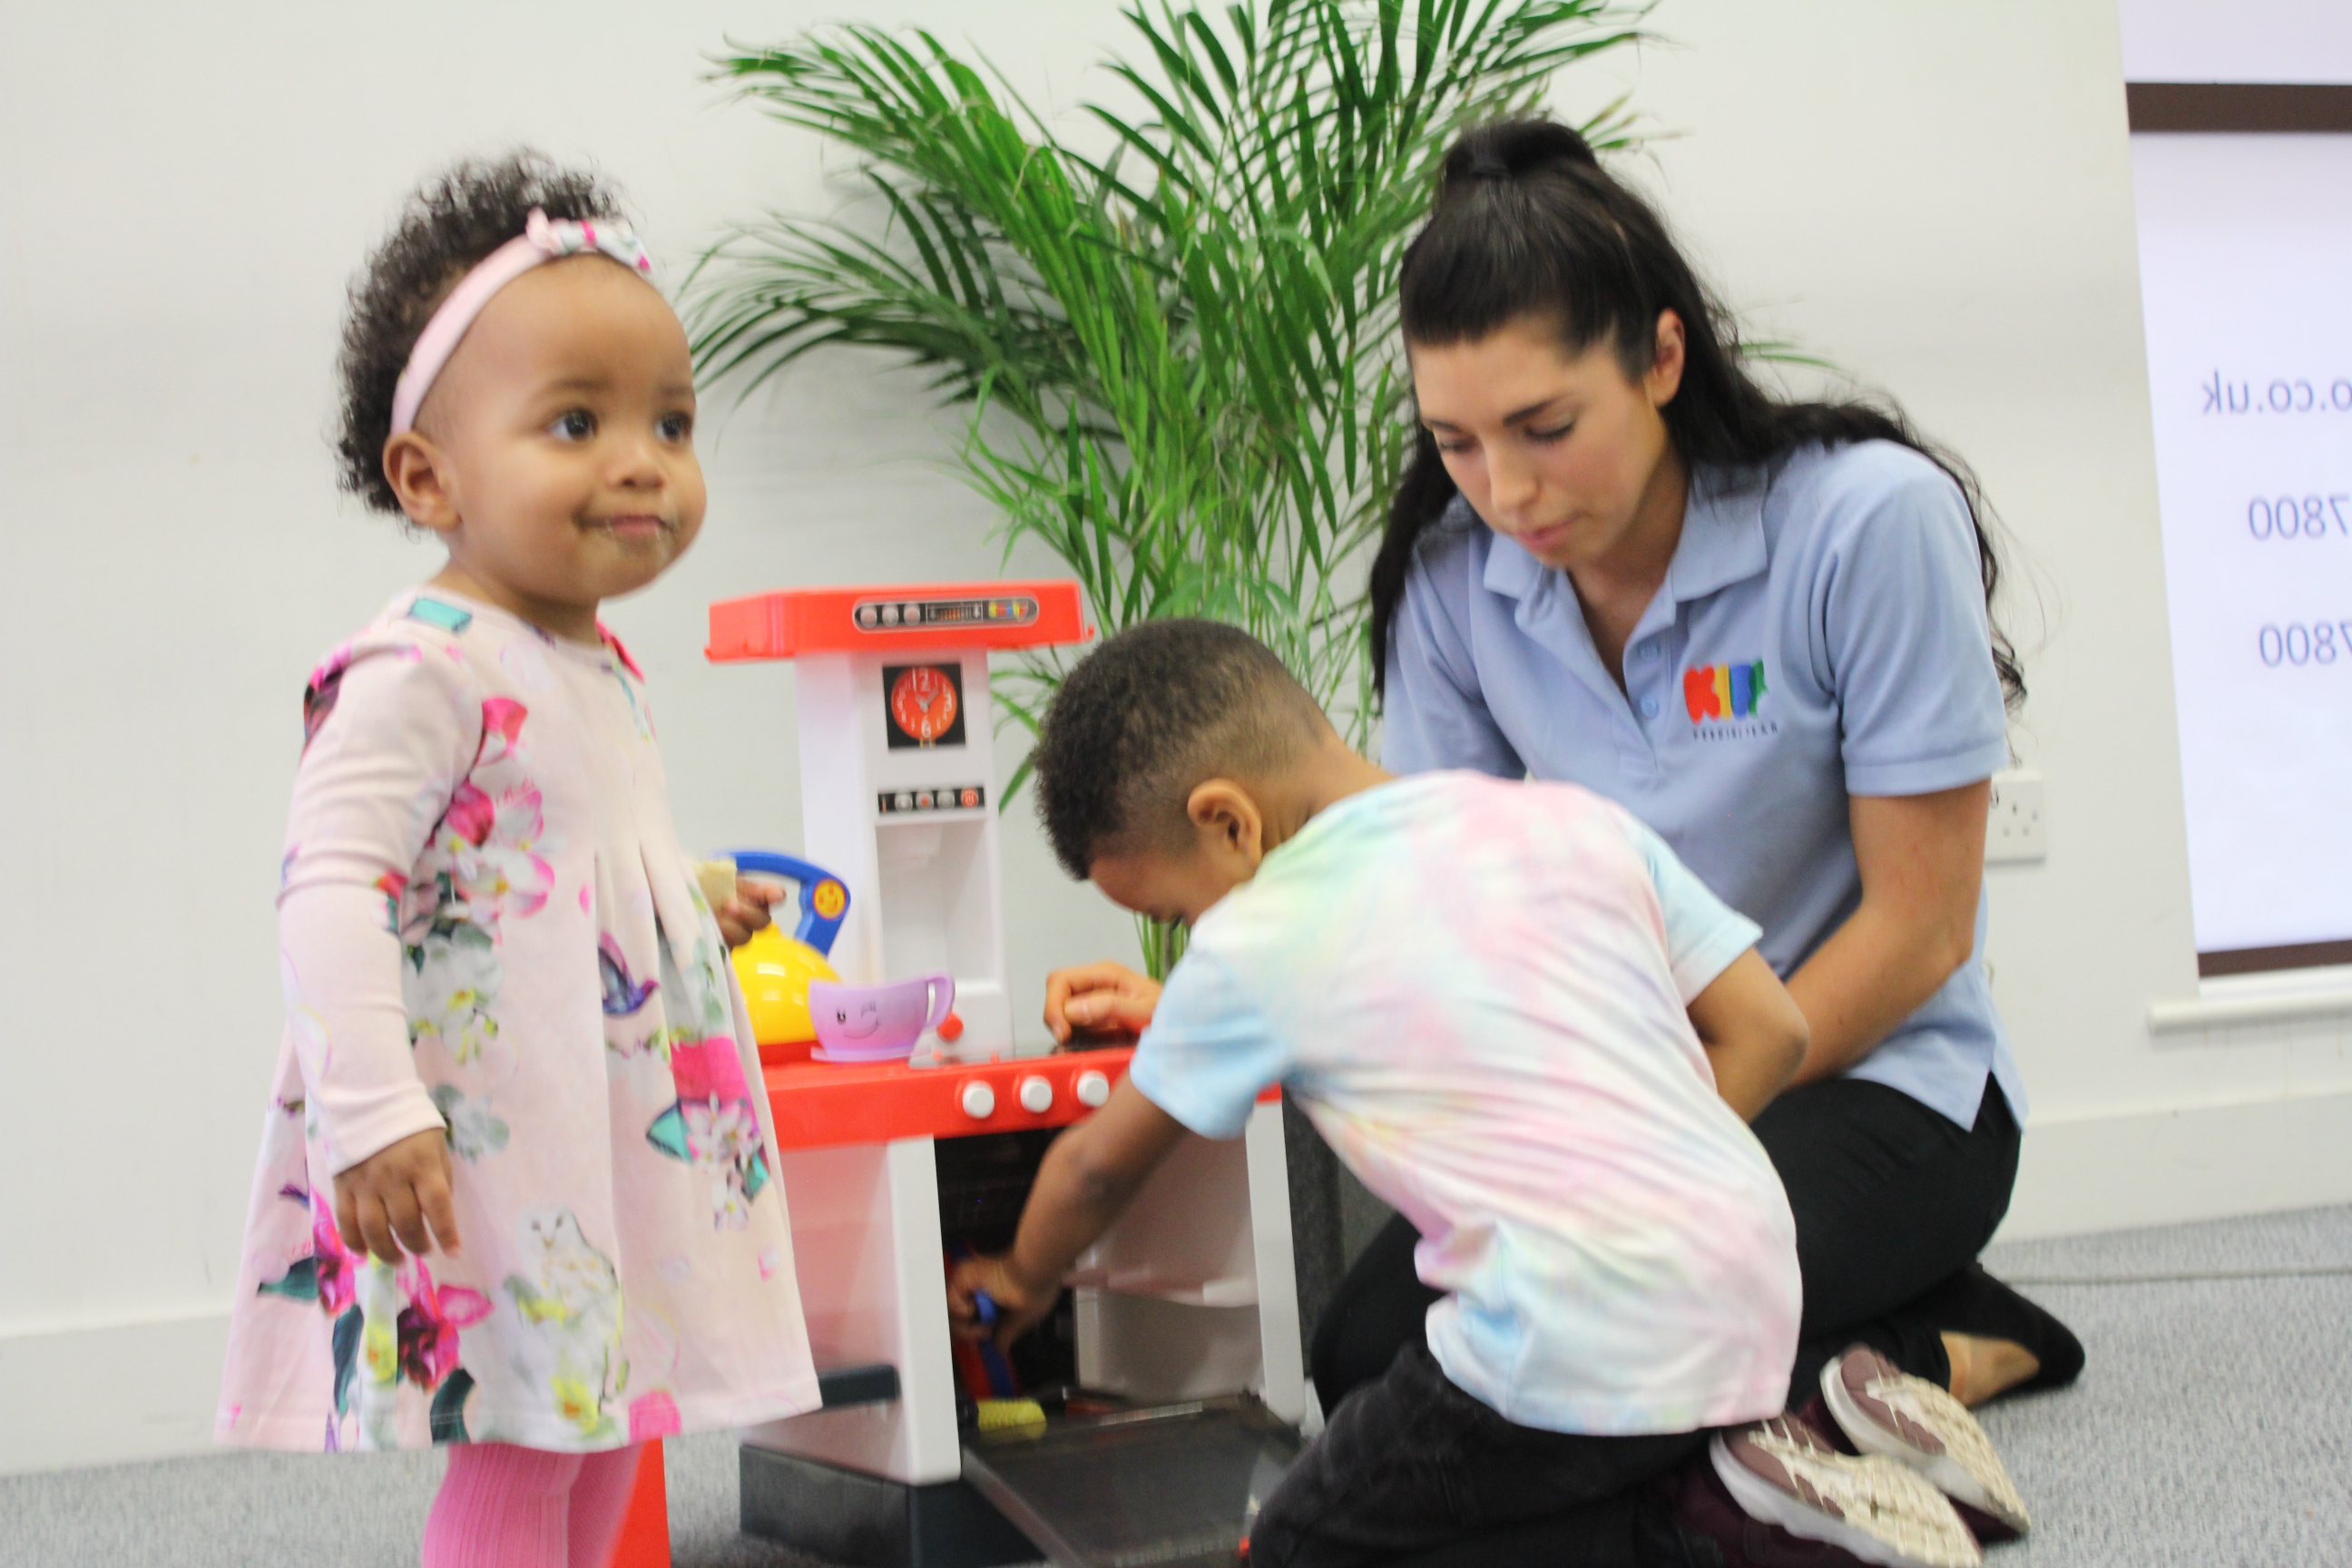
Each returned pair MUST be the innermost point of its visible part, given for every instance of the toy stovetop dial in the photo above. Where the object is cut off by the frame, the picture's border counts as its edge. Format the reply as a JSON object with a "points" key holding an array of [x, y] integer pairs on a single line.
{"points": [[925, 703]]}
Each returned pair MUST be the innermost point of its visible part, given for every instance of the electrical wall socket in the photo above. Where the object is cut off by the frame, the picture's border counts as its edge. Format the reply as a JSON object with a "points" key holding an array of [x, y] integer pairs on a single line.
{"points": [[2017, 829]]}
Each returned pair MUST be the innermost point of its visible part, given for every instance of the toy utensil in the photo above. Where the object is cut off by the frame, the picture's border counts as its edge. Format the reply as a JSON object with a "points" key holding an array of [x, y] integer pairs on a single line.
{"points": [[992, 1356], [1007, 1409], [715, 878]]}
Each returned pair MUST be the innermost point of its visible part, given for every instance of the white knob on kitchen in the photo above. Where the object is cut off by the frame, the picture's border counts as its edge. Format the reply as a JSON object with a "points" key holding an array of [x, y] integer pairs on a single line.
{"points": [[1093, 1089], [978, 1101], [1037, 1095]]}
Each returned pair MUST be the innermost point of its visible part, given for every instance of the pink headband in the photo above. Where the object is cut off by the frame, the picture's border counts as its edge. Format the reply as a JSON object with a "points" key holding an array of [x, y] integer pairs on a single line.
{"points": [[543, 239]]}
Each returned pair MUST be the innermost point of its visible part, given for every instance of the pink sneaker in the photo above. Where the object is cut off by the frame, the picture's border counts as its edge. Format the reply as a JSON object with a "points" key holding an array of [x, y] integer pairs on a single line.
{"points": [[1782, 1473], [1702, 1506], [1885, 1410]]}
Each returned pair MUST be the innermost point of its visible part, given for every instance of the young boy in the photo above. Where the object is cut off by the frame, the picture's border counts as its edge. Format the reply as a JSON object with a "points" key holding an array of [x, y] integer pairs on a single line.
{"points": [[1519, 1020]]}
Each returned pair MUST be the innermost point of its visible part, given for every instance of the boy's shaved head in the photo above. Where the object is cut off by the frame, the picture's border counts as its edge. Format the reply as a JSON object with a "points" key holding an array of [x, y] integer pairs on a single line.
{"points": [[1146, 717]]}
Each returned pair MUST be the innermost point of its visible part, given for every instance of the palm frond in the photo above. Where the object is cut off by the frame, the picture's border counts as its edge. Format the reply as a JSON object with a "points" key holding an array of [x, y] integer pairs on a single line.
{"points": [[1178, 352]]}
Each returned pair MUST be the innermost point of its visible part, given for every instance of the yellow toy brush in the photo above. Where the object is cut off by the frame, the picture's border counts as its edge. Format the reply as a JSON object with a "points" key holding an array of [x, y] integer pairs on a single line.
{"points": [[1006, 1411]]}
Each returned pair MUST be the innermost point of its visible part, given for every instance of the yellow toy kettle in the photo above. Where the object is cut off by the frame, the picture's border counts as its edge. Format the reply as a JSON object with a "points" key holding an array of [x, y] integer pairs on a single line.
{"points": [[774, 970]]}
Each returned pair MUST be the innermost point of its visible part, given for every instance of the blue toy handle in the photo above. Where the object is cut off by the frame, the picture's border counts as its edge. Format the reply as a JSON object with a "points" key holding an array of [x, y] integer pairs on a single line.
{"points": [[1000, 1371], [820, 890]]}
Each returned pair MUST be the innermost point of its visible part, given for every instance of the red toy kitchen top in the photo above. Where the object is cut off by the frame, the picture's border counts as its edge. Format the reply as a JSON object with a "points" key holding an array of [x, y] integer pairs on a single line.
{"points": [[821, 1106], [796, 621]]}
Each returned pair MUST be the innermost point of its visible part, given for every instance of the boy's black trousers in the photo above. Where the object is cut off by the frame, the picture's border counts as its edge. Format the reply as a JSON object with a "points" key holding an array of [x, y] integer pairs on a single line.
{"points": [[1411, 1470]]}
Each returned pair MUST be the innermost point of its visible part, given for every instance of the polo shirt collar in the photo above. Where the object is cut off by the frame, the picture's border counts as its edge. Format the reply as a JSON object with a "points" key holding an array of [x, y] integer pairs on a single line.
{"points": [[1723, 538], [1722, 543], [1510, 570]]}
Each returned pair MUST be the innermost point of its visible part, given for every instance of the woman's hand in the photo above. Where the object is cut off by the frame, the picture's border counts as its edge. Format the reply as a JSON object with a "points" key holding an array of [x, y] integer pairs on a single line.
{"points": [[747, 912], [1020, 1304], [387, 1202], [1098, 999]]}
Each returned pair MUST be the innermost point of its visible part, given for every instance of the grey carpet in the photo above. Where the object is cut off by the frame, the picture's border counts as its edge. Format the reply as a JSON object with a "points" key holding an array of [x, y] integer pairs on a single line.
{"points": [[2213, 1422], [2213, 1427]]}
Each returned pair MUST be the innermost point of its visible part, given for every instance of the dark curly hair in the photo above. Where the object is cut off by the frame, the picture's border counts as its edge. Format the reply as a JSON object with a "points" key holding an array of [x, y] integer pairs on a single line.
{"points": [[1148, 716], [1526, 223], [449, 224]]}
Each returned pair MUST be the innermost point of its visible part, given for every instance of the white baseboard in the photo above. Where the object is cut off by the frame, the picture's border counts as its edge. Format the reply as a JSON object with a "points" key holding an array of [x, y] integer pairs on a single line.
{"points": [[2170, 1166], [110, 1393], [119, 1392]]}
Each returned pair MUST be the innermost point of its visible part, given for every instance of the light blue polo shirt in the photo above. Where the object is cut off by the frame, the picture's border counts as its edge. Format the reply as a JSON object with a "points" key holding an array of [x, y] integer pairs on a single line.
{"points": [[1820, 633]]}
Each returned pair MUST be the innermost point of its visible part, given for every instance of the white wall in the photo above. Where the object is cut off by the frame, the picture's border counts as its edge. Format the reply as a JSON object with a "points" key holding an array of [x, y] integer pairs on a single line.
{"points": [[1936, 197]]}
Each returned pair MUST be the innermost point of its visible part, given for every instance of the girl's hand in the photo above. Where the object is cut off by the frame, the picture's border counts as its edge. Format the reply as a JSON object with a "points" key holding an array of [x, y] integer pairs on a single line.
{"points": [[387, 1202], [747, 912], [1021, 1305], [1098, 999]]}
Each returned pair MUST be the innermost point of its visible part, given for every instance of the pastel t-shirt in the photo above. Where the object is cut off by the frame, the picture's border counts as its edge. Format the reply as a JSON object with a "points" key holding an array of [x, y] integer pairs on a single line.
{"points": [[1477, 989]]}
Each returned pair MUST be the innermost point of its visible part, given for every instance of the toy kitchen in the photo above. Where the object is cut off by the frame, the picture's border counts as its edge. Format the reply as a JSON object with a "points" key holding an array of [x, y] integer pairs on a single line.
{"points": [[1149, 1416]]}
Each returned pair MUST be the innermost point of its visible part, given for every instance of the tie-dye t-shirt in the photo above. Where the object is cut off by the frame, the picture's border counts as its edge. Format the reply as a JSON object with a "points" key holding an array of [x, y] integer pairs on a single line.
{"points": [[1476, 990]]}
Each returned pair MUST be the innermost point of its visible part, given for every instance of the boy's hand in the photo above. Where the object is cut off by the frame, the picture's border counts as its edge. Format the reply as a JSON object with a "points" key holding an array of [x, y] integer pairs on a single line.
{"points": [[1098, 999], [747, 912], [1753, 1032], [1021, 1305], [387, 1202], [1088, 1174]]}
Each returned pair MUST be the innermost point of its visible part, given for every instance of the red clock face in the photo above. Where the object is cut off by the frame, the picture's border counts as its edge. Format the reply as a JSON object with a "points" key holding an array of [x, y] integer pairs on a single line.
{"points": [[926, 704]]}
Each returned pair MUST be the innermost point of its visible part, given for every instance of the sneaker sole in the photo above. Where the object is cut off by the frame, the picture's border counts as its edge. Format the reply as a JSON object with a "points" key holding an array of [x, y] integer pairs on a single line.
{"points": [[1910, 1524], [1967, 1469]]}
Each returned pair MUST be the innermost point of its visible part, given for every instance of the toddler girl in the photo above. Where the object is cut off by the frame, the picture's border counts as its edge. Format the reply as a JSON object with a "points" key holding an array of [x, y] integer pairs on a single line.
{"points": [[515, 1192]]}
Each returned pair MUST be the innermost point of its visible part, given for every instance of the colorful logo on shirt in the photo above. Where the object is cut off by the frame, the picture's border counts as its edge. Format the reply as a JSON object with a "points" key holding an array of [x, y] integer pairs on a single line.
{"points": [[1724, 691]]}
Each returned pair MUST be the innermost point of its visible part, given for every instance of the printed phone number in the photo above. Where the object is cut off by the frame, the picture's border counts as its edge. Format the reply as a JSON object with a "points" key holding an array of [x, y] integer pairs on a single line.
{"points": [[2299, 517], [2297, 642]]}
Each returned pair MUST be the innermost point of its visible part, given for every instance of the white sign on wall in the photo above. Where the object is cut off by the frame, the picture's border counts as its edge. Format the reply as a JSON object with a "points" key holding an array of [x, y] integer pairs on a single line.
{"points": [[2247, 40], [2246, 271]]}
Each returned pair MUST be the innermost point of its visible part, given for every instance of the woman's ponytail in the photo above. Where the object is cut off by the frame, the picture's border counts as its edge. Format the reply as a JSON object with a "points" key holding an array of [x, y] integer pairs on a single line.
{"points": [[1509, 149]]}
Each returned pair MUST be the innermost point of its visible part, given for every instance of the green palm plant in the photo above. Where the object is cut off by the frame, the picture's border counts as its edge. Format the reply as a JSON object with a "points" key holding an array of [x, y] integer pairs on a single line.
{"points": [[1176, 349]]}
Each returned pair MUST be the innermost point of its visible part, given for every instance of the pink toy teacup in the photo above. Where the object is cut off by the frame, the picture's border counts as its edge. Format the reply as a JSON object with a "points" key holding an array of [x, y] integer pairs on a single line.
{"points": [[875, 1023]]}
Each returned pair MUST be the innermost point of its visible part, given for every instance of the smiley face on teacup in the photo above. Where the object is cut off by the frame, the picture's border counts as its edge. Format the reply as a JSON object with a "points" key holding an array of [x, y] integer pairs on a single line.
{"points": [[877, 1023], [859, 1019]]}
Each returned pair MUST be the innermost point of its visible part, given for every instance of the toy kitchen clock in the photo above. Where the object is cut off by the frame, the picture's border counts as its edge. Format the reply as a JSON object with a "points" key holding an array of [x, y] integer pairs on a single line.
{"points": [[926, 704], [898, 789]]}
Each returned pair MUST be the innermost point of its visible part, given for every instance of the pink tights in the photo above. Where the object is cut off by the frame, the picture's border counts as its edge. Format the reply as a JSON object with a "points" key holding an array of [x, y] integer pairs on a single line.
{"points": [[505, 1507]]}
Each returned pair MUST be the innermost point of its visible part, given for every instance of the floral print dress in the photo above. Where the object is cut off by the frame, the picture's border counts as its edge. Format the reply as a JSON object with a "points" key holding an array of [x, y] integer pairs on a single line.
{"points": [[488, 930]]}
